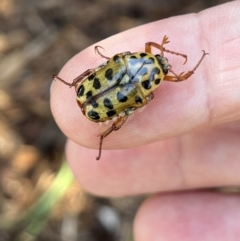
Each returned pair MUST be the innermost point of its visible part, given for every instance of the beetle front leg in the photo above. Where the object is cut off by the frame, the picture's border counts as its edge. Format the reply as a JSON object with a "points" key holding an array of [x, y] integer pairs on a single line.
{"points": [[183, 76], [116, 126], [162, 49], [165, 40], [159, 46]]}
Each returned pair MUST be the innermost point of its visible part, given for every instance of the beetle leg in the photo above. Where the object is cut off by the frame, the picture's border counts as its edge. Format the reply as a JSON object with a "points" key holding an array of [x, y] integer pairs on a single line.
{"points": [[165, 40], [77, 79], [159, 46], [82, 76], [96, 48], [149, 97], [115, 126], [184, 76]]}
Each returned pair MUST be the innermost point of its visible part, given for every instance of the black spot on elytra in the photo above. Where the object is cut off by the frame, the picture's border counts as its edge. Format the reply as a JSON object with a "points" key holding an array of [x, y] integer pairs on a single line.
{"points": [[96, 83], [146, 84], [89, 94], [152, 60], [109, 74], [157, 81], [121, 97], [134, 60], [143, 55], [138, 100], [153, 72], [93, 115], [116, 59], [92, 76], [108, 103], [149, 61], [80, 91], [94, 104], [111, 113]]}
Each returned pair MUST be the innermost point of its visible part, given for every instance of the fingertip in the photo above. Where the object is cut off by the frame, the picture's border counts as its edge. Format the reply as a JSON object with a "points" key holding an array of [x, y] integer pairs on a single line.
{"points": [[177, 108], [189, 216]]}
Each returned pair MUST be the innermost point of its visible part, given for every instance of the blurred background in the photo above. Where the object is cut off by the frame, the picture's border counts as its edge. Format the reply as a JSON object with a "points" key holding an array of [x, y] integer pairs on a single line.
{"points": [[39, 199]]}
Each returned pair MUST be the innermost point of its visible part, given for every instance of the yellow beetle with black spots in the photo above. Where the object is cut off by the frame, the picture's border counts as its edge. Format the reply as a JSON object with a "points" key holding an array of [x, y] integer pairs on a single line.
{"points": [[124, 83]]}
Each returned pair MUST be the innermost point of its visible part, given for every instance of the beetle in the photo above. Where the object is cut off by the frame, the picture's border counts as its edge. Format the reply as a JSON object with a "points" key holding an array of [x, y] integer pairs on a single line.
{"points": [[124, 83]]}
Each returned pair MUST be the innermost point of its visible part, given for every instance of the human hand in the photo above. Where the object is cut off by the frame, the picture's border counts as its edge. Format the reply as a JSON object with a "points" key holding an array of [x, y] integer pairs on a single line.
{"points": [[187, 138]]}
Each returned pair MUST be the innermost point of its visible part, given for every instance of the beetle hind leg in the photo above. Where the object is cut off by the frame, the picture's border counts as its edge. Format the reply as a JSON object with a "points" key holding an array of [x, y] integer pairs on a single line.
{"points": [[77, 79], [115, 126]]}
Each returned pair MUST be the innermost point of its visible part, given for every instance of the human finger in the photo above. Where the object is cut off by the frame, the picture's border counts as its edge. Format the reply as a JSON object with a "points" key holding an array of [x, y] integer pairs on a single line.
{"points": [[189, 216], [203, 159], [209, 97]]}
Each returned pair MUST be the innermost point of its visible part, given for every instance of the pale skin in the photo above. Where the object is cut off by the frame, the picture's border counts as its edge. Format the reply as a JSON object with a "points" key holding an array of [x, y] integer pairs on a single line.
{"points": [[187, 138]]}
